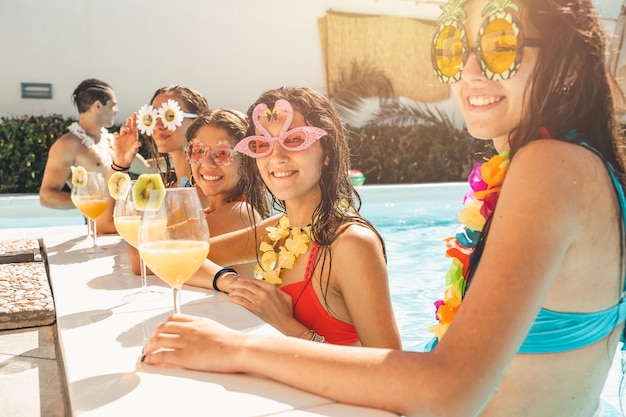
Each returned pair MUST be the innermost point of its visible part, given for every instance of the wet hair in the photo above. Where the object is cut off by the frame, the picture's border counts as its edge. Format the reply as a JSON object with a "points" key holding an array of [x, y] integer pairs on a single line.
{"points": [[190, 101], [236, 125], [340, 202], [89, 91], [571, 87]]}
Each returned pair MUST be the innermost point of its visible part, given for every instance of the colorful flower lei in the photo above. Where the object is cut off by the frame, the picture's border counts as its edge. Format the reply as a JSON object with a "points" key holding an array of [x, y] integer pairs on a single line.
{"points": [[485, 182], [275, 257]]}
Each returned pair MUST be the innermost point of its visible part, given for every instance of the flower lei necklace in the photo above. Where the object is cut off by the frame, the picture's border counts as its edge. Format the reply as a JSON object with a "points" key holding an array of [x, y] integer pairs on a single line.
{"points": [[276, 257], [485, 182], [90, 143]]}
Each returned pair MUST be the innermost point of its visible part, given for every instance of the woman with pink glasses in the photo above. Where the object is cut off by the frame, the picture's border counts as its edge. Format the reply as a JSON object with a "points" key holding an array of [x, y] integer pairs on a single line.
{"points": [[217, 172], [164, 123], [306, 282]]}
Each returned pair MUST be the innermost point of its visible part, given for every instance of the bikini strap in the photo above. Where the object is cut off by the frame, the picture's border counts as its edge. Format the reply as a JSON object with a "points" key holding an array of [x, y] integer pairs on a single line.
{"points": [[310, 262]]}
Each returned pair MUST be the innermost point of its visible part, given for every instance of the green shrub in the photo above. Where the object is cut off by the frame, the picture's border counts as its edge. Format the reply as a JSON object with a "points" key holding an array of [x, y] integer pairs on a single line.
{"points": [[419, 153], [24, 144], [411, 143], [386, 154]]}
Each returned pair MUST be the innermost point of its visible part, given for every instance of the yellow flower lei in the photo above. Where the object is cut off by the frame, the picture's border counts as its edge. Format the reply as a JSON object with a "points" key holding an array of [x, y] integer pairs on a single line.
{"points": [[275, 257]]}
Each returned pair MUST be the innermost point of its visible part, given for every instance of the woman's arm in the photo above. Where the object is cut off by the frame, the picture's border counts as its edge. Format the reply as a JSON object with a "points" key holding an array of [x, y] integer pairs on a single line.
{"points": [[363, 286], [239, 246], [538, 217]]}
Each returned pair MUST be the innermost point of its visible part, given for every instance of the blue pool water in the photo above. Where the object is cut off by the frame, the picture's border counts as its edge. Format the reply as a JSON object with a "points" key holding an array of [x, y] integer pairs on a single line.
{"points": [[24, 211], [413, 220]]}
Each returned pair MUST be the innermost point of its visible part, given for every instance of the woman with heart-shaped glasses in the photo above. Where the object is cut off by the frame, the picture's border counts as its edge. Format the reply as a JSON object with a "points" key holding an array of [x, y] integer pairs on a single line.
{"points": [[304, 282]]}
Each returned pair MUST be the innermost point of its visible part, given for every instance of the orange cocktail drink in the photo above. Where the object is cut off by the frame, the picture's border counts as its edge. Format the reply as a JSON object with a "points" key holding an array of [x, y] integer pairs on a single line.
{"points": [[174, 261], [91, 207]]}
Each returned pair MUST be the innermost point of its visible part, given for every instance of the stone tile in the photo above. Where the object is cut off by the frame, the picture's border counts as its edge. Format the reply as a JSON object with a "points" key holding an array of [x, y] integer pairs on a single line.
{"points": [[36, 342], [31, 387], [25, 296]]}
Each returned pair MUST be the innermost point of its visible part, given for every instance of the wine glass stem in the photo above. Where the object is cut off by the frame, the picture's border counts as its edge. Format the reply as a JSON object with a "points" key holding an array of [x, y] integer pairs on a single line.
{"points": [[93, 233], [176, 300], [144, 279]]}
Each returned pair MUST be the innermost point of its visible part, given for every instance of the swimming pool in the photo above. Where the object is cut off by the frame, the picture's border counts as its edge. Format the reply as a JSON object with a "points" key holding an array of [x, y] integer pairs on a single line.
{"points": [[24, 210], [413, 220]]}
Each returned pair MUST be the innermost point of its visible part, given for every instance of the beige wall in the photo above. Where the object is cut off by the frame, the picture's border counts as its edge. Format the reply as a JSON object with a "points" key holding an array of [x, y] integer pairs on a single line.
{"points": [[229, 50]]}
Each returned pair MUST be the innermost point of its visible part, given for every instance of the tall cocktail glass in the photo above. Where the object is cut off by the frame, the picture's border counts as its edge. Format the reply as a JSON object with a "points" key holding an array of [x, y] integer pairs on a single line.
{"points": [[127, 219], [174, 236], [92, 199]]}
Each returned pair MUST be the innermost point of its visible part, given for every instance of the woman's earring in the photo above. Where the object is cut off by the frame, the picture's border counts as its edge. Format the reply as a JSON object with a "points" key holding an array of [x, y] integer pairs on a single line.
{"points": [[192, 180], [327, 161]]}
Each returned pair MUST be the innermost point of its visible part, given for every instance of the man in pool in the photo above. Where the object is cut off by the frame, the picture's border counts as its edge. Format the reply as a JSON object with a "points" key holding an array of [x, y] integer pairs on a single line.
{"points": [[87, 144]]}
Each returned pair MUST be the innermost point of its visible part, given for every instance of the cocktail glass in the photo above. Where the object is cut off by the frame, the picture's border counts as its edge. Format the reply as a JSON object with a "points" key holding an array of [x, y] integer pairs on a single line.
{"points": [[127, 219], [92, 200], [174, 236]]}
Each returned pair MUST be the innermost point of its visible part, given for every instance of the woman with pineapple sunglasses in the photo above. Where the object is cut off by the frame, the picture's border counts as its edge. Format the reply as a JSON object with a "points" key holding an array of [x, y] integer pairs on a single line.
{"points": [[535, 309]]}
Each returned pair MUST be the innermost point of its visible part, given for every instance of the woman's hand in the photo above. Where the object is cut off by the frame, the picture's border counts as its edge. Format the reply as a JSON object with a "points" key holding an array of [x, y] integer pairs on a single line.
{"points": [[126, 143], [266, 301], [194, 343]]}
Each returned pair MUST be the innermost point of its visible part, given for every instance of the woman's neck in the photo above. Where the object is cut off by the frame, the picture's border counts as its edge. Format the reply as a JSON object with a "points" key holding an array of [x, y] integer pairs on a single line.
{"points": [[181, 167], [219, 200], [300, 214], [501, 144]]}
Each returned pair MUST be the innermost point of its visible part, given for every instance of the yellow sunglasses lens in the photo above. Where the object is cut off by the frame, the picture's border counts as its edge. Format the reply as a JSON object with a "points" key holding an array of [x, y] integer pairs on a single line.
{"points": [[499, 46], [448, 51]]}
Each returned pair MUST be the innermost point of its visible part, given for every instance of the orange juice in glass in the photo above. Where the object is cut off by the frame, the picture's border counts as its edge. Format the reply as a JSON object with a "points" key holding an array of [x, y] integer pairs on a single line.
{"points": [[92, 199], [175, 261], [128, 228], [127, 219], [174, 236], [91, 207]]}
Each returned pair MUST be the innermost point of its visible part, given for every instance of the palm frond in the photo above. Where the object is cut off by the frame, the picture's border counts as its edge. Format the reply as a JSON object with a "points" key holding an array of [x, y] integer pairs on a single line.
{"points": [[412, 115], [363, 80]]}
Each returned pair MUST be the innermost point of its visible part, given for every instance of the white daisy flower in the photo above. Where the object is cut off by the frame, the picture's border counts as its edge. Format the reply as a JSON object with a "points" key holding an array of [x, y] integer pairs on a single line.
{"points": [[171, 114], [146, 119]]}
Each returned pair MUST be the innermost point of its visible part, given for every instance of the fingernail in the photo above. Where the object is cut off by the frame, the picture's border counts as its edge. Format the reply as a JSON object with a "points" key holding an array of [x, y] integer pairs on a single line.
{"points": [[143, 358]]}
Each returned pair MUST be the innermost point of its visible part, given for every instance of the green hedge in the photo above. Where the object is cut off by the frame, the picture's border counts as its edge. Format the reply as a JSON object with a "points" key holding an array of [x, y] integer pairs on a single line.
{"points": [[385, 154], [414, 154], [24, 144]]}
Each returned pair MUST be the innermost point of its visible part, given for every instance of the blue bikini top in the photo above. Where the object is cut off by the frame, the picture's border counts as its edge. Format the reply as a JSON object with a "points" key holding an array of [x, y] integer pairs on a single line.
{"points": [[555, 331]]}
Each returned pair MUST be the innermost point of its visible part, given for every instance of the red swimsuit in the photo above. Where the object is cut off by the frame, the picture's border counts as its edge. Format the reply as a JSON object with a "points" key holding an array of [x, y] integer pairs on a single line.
{"points": [[308, 310]]}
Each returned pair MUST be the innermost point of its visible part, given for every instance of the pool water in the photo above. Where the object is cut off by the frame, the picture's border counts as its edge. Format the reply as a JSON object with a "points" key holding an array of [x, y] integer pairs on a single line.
{"points": [[24, 211], [413, 229]]}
